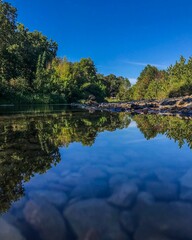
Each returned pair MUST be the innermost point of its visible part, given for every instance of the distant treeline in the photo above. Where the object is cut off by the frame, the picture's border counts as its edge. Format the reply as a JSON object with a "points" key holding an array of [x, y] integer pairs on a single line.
{"points": [[31, 72]]}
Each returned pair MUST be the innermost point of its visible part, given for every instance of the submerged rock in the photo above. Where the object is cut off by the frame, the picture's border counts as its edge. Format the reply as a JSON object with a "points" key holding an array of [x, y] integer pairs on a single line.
{"points": [[56, 198], [93, 172], [165, 219], [90, 189], [148, 234], [186, 194], [145, 198], [128, 221], [124, 196], [71, 180], [186, 180], [163, 191], [15, 220], [42, 181], [95, 217], [9, 232], [119, 179], [167, 175], [45, 219]]}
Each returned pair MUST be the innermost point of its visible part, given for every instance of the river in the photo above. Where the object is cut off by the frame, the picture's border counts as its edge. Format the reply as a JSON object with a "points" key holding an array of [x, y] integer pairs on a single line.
{"points": [[66, 173]]}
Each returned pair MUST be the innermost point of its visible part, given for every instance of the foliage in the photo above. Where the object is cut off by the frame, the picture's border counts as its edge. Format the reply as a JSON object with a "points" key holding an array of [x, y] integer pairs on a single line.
{"points": [[30, 72], [115, 87], [158, 84]]}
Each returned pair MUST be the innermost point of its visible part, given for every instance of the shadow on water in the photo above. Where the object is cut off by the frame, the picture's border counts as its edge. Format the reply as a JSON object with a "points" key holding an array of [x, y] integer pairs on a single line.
{"points": [[75, 180]]}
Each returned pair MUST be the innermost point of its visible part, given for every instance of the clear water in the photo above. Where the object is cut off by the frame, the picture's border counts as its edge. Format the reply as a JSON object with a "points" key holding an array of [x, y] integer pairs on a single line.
{"points": [[66, 173]]}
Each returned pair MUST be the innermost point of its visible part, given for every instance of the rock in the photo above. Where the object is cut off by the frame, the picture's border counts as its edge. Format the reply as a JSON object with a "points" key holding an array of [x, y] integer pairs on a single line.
{"points": [[92, 235], [74, 200], [124, 196], [92, 172], [145, 110], [168, 102], [145, 198], [186, 99], [186, 194], [128, 221], [45, 219], [59, 187], [162, 191], [147, 174], [165, 219], [71, 180], [148, 234], [9, 232], [180, 105], [113, 170], [96, 216], [57, 198], [65, 173], [189, 106], [116, 180], [18, 222], [41, 181], [166, 175], [91, 189], [186, 180]]}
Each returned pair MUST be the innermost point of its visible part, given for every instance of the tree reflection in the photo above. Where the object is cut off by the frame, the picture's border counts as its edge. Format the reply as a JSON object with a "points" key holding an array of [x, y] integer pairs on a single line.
{"points": [[179, 129], [30, 144]]}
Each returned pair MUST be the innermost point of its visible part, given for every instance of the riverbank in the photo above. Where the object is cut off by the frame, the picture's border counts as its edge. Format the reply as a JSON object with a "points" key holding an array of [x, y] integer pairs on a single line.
{"points": [[170, 106]]}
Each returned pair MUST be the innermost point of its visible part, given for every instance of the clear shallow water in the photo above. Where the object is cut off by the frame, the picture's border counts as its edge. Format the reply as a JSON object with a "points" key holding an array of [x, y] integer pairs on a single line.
{"points": [[66, 173]]}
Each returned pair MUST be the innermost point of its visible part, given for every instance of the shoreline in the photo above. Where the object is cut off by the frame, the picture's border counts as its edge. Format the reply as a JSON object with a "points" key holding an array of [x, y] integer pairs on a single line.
{"points": [[171, 106]]}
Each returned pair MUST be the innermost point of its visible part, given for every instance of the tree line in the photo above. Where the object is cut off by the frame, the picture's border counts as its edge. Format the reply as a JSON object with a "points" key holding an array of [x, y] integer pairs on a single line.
{"points": [[30, 70], [159, 84]]}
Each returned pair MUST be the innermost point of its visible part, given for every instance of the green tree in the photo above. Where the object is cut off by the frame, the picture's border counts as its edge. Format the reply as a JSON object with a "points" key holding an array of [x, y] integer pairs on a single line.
{"points": [[8, 17]]}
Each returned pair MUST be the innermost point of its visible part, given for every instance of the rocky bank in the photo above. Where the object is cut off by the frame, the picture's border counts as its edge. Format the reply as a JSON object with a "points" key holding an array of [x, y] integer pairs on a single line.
{"points": [[170, 106]]}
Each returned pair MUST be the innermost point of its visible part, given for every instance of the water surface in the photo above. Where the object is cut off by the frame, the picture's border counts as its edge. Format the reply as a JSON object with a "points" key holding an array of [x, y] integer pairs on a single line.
{"points": [[67, 173]]}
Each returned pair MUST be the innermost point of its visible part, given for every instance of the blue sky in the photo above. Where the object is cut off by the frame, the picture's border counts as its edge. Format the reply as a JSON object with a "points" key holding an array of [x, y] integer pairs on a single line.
{"points": [[121, 36]]}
